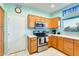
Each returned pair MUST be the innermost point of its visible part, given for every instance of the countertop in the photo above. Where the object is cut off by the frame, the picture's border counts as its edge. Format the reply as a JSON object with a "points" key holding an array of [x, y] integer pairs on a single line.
{"points": [[66, 36], [60, 35], [32, 36]]}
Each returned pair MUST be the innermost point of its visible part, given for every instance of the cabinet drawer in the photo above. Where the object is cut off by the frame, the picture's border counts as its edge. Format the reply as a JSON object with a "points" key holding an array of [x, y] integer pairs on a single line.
{"points": [[68, 40], [33, 49], [33, 43], [33, 39]]}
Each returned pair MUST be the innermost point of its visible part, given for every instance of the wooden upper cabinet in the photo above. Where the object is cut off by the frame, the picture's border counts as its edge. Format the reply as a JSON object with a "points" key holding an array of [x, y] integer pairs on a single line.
{"points": [[68, 46], [76, 47], [31, 21], [43, 19], [48, 22], [53, 22], [38, 19], [1, 17]]}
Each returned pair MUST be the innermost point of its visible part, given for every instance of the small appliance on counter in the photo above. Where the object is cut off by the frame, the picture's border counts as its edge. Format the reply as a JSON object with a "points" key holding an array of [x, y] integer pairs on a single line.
{"points": [[53, 31], [58, 32]]}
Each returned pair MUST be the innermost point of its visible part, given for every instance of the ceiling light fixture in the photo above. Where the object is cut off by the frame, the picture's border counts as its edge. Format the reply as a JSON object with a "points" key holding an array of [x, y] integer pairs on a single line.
{"points": [[52, 5]]}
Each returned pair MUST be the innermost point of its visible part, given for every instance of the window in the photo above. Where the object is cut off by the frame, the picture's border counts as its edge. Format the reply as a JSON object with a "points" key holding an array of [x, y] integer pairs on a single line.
{"points": [[71, 10]]}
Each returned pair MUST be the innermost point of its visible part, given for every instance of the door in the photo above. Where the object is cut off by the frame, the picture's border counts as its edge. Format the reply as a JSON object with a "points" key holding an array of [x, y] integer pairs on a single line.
{"points": [[16, 32], [1, 31]]}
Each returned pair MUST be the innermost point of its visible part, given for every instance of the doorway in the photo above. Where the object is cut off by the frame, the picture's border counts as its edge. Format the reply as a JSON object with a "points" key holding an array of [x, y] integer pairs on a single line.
{"points": [[1, 31]]}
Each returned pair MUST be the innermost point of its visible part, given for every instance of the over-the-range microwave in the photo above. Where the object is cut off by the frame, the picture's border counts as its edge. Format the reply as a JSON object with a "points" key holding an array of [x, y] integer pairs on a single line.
{"points": [[40, 25]]}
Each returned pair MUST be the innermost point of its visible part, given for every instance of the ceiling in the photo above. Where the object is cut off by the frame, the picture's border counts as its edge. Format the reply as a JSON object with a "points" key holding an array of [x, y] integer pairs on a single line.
{"points": [[46, 7]]}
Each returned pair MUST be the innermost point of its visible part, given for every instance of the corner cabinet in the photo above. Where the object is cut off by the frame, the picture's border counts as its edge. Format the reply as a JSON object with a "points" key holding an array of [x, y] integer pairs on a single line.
{"points": [[32, 44], [53, 22], [52, 41]]}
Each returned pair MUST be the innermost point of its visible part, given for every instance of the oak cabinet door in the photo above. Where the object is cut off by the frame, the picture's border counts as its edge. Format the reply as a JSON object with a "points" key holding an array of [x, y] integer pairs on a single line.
{"points": [[33, 49], [38, 19], [49, 41], [54, 41], [1, 17], [76, 48], [54, 22], [32, 45], [68, 46], [48, 22], [43, 19], [31, 21], [60, 43]]}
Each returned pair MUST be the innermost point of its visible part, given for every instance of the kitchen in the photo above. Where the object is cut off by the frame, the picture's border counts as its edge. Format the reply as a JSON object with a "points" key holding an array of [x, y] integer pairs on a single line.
{"points": [[40, 29]]}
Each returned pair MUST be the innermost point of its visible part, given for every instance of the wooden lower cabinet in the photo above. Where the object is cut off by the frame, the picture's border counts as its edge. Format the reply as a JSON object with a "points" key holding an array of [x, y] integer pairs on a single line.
{"points": [[54, 41], [68, 46], [76, 47], [32, 44], [49, 41], [60, 43]]}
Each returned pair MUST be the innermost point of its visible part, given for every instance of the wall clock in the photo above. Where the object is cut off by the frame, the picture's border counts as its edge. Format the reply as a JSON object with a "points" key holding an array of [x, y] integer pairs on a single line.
{"points": [[18, 10]]}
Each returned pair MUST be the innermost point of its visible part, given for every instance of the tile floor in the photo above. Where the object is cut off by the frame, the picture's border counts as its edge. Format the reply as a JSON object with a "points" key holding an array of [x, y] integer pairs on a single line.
{"points": [[49, 52]]}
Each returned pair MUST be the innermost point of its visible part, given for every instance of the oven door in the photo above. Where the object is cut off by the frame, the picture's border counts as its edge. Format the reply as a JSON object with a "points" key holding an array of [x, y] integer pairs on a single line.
{"points": [[40, 41]]}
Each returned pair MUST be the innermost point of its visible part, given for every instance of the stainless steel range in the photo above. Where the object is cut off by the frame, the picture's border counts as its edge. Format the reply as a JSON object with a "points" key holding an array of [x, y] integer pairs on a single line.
{"points": [[42, 43], [41, 35], [42, 40]]}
